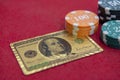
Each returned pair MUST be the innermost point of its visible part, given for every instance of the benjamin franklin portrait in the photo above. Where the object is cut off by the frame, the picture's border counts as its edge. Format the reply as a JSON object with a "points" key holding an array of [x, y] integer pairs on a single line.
{"points": [[54, 46]]}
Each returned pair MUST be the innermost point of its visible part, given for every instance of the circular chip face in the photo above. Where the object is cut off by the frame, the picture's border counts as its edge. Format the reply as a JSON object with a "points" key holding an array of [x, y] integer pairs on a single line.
{"points": [[112, 29], [110, 4], [82, 18]]}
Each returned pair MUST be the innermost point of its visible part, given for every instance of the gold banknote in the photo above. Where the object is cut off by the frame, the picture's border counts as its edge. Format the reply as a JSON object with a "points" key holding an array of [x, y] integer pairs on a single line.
{"points": [[43, 52]]}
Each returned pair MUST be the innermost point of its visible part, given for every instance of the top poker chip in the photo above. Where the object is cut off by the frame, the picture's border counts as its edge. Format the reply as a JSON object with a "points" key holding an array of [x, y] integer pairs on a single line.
{"points": [[81, 22], [112, 29], [110, 33], [82, 18], [112, 5]]}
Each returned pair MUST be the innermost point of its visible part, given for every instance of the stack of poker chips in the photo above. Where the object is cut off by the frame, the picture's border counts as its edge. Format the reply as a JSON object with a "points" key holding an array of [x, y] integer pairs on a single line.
{"points": [[110, 33], [108, 10], [81, 23]]}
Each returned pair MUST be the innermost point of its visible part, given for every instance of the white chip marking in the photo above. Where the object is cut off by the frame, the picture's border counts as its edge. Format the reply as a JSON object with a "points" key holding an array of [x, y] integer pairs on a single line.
{"points": [[104, 40], [105, 32], [87, 11], [67, 18], [104, 36], [107, 10], [91, 32], [101, 18], [76, 28], [73, 12], [108, 18], [92, 25], [74, 33], [99, 2], [113, 16], [75, 24], [118, 21], [96, 17], [105, 24]]}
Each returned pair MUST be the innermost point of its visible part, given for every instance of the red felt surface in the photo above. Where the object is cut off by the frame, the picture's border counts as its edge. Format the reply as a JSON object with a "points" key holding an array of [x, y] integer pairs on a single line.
{"points": [[22, 19]]}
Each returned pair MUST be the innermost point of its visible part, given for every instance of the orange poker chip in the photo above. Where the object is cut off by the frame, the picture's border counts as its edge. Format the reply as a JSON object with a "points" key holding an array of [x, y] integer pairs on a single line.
{"points": [[81, 22]]}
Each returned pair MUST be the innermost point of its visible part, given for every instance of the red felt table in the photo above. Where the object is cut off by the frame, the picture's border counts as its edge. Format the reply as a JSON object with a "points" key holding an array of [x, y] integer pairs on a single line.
{"points": [[22, 19]]}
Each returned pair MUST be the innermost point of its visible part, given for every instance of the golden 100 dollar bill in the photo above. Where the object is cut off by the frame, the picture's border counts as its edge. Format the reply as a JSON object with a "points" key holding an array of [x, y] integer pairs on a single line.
{"points": [[43, 52]]}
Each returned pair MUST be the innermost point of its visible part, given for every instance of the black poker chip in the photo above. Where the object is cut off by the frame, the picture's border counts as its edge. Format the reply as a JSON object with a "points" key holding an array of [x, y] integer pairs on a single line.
{"points": [[108, 10]]}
